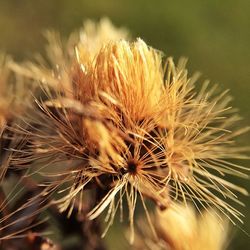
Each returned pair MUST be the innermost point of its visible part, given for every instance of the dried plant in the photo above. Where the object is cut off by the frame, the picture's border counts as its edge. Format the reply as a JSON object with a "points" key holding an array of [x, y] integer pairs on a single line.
{"points": [[181, 228], [13, 91], [15, 97], [115, 124], [58, 68]]}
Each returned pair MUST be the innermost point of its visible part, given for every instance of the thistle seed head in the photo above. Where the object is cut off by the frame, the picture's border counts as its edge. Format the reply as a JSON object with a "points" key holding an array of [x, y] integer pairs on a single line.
{"points": [[124, 123]]}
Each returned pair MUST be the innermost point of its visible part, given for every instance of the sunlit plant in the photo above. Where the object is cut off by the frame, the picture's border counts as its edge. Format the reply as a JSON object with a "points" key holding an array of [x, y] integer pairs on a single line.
{"points": [[115, 124]]}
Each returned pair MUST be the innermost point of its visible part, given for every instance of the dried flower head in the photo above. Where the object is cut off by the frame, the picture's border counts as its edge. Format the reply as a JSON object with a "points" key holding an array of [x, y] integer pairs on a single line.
{"points": [[181, 228], [123, 124]]}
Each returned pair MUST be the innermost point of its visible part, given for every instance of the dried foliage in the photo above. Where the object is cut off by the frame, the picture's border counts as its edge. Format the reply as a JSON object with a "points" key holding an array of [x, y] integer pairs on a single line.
{"points": [[113, 123]]}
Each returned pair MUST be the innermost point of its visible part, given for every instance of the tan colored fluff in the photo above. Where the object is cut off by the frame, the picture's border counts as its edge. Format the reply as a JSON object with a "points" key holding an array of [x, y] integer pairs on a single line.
{"points": [[94, 35], [131, 74], [201, 138], [63, 56], [178, 135], [127, 124], [181, 228]]}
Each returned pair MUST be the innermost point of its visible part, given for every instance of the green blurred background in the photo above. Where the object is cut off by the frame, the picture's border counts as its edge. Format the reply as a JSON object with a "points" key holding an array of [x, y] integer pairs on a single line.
{"points": [[213, 34]]}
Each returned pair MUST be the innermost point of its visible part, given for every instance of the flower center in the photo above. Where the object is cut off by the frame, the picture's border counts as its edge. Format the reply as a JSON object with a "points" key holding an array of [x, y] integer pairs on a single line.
{"points": [[132, 167]]}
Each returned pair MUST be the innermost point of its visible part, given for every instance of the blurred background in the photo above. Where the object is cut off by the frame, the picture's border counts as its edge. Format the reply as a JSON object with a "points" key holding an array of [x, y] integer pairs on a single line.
{"points": [[214, 35]]}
